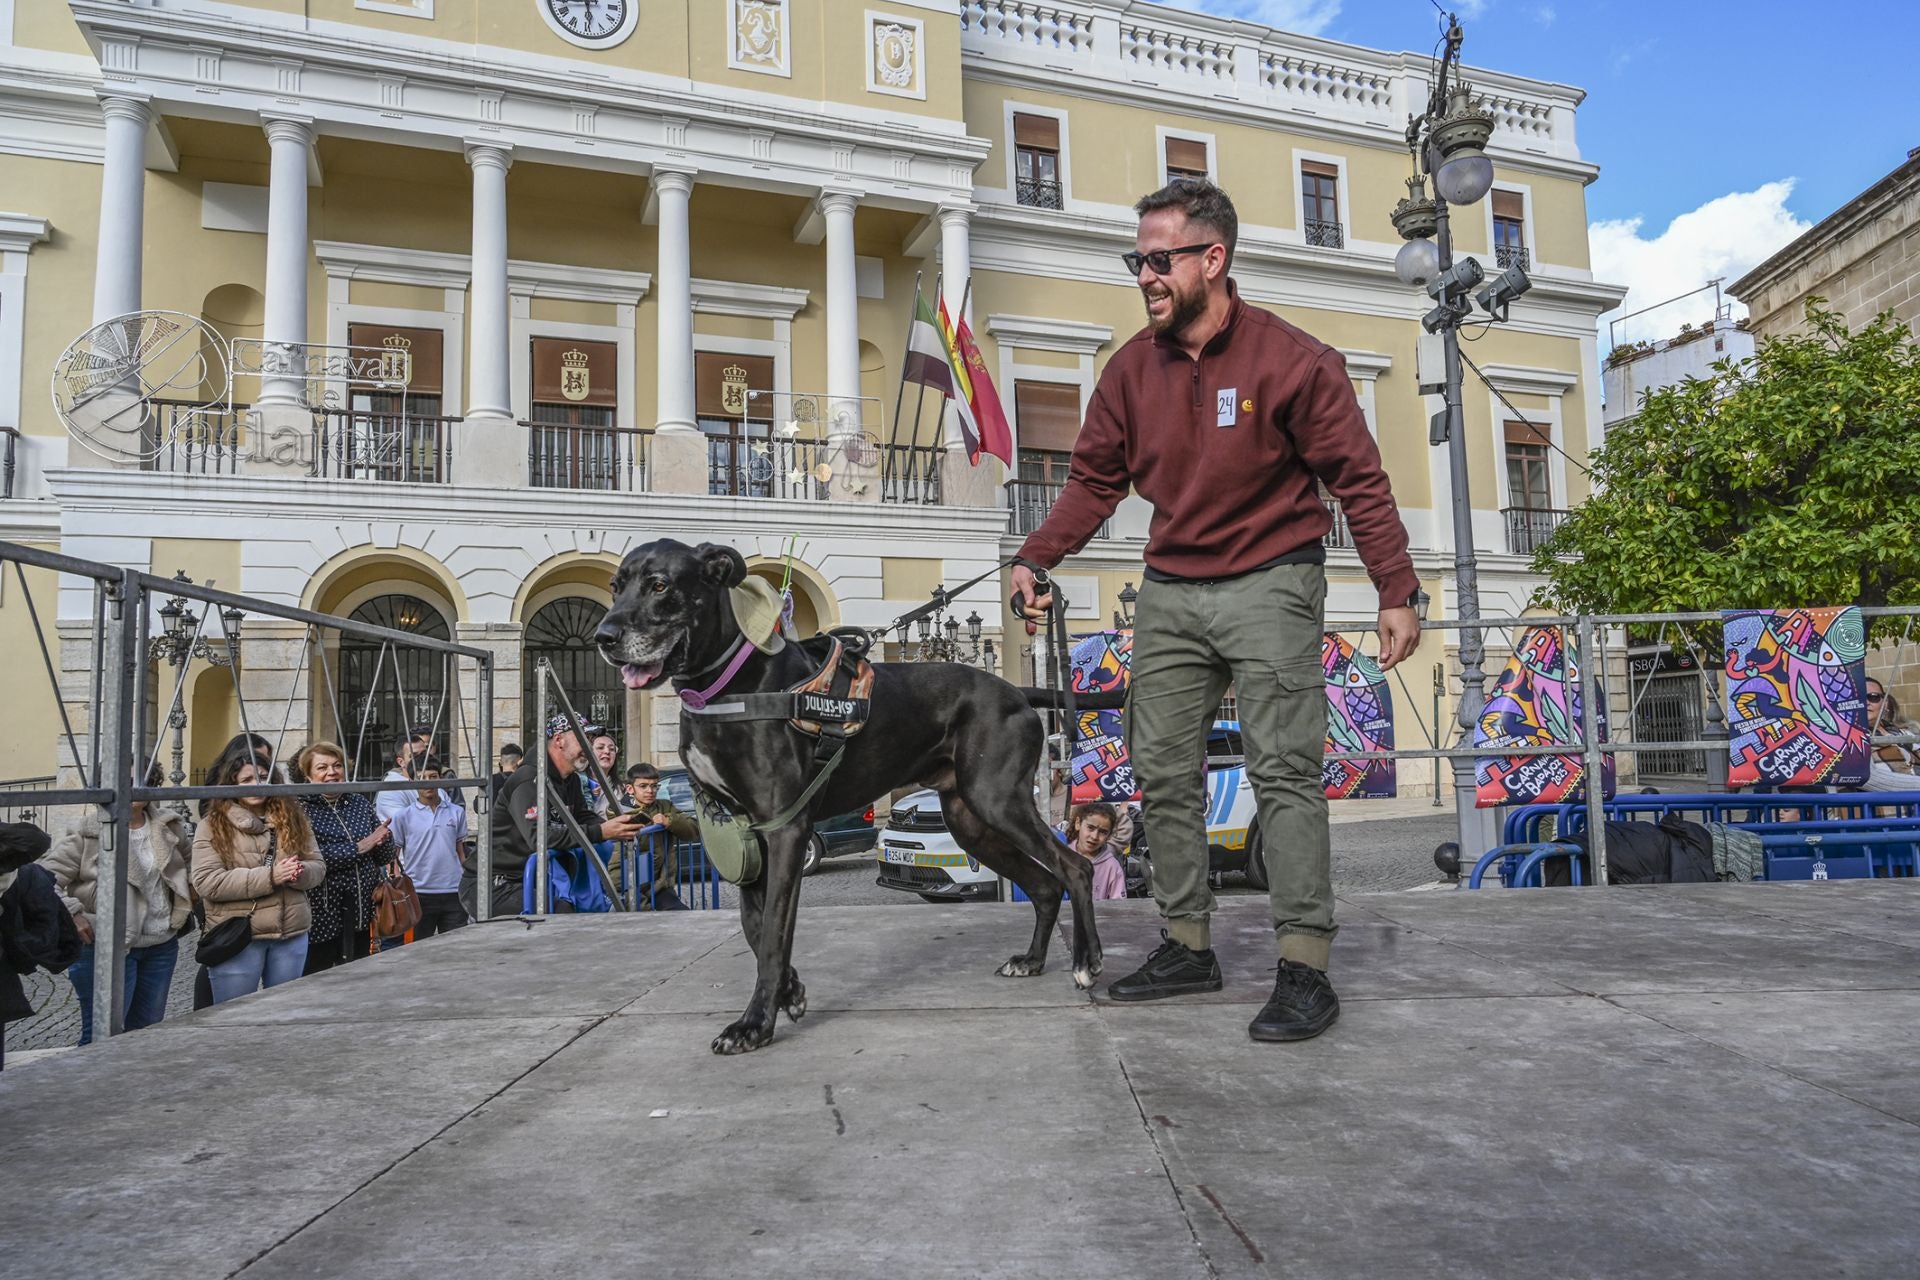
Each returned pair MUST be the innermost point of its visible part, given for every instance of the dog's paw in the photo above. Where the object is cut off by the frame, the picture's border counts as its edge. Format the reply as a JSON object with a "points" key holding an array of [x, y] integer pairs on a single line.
{"points": [[1083, 978], [1021, 967], [793, 997], [744, 1036]]}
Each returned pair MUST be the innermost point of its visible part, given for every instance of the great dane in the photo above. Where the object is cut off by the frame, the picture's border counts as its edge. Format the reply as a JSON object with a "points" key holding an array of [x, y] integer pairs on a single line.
{"points": [[965, 733]]}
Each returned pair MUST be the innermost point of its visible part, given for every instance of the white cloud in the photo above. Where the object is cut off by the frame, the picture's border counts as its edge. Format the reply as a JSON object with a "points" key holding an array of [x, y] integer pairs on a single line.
{"points": [[1544, 14], [1308, 17], [1725, 237]]}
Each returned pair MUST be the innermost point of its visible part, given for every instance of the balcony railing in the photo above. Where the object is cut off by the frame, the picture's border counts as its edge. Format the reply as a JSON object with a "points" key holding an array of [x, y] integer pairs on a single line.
{"points": [[12, 435], [608, 459], [1037, 193], [1325, 235], [349, 445], [1340, 535], [187, 438], [1512, 255], [754, 465], [1029, 502], [1528, 527], [910, 473]]}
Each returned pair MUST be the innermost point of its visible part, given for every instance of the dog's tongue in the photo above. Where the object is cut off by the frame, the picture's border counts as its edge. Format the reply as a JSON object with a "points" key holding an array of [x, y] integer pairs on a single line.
{"points": [[637, 675]]}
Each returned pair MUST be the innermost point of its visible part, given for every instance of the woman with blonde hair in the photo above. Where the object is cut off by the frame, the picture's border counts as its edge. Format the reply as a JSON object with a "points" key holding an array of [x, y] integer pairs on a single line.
{"points": [[255, 858]]}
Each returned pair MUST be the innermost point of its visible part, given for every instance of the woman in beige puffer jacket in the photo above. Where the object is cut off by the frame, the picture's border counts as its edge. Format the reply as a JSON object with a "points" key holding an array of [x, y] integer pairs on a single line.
{"points": [[256, 857]]}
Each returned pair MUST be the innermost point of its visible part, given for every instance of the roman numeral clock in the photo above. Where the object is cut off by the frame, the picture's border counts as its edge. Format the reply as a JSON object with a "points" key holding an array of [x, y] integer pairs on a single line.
{"points": [[591, 24]]}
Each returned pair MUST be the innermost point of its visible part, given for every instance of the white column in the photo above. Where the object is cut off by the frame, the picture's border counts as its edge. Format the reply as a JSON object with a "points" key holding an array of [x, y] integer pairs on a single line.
{"points": [[956, 257], [673, 294], [490, 380], [123, 181], [843, 314], [287, 251]]}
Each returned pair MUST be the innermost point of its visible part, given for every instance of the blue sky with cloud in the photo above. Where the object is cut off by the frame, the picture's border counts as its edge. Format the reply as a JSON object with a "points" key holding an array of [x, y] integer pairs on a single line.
{"points": [[1722, 129]]}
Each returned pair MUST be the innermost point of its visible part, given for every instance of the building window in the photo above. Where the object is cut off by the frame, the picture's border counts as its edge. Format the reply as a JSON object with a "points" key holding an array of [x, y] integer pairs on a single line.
{"points": [[1036, 161], [571, 443], [1510, 230], [387, 434], [1186, 158], [1320, 204], [1047, 418], [735, 404], [1527, 485]]}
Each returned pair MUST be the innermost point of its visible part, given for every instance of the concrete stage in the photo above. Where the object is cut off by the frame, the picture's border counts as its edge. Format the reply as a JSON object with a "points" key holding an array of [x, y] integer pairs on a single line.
{"points": [[1652, 1082]]}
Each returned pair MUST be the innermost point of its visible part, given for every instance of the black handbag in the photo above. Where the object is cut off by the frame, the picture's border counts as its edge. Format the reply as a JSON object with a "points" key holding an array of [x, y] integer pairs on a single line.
{"points": [[225, 940], [230, 937]]}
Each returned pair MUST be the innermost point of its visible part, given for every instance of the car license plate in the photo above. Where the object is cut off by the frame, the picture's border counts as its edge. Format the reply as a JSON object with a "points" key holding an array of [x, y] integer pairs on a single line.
{"points": [[889, 853]]}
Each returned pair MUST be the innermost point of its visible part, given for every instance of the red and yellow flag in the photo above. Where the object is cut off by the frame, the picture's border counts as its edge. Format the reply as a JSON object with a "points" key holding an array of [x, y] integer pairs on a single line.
{"points": [[982, 420]]}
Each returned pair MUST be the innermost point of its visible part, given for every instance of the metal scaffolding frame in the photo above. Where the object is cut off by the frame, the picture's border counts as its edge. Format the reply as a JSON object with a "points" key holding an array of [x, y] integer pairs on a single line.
{"points": [[121, 622]]}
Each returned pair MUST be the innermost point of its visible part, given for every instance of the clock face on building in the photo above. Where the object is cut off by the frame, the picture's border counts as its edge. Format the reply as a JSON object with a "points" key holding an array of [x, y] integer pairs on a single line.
{"points": [[591, 24]]}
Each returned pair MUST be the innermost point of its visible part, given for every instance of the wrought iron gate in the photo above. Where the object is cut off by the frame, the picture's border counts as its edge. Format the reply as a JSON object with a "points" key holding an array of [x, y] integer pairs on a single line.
{"points": [[562, 633], [388, 688]]}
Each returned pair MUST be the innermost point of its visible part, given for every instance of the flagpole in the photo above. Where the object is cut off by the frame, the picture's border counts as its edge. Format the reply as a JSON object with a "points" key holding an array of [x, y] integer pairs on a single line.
{"points": [[960, 318], [900, 393], [920, 399]]}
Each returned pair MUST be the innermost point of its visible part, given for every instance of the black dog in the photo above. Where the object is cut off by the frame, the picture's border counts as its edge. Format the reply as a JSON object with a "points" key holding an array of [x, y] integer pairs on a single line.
{"points": [[967, 734]]}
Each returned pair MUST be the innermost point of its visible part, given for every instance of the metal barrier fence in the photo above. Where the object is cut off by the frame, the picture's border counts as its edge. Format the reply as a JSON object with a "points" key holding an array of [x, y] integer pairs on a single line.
{"points": [[118, 750], [1593, 639]]}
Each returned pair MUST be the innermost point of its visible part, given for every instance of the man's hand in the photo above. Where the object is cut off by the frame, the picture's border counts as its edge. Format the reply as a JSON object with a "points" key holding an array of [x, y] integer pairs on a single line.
{"points": [[85, 930], [1034, 607], [620, 828], [1399, 636], [657, 819]]}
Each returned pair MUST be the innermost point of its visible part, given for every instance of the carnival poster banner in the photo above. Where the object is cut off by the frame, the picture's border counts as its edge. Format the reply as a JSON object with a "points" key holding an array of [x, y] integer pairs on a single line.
{"points": [[1102, 663], [1359, 718], [1536, 704], [1796, 705]]}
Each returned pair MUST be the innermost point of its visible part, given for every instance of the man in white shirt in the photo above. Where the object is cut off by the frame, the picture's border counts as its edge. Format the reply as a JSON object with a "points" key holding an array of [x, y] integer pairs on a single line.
{"points": [[429, 830], [389, 803]]}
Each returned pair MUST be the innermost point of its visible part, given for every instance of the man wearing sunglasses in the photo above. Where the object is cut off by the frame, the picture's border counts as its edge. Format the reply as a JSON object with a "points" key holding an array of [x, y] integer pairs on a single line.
{"points": [[1225, 418]]}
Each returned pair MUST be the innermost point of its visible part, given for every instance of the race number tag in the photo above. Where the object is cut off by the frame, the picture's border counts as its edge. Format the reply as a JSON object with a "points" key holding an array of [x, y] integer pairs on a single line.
{"points": [[1226, 407]]}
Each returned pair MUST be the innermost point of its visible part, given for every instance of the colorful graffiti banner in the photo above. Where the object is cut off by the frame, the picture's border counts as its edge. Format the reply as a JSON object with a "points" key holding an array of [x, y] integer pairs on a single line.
{"points": [[1536, 704], [1101, 663], [1796, 706], [1359, 718]]}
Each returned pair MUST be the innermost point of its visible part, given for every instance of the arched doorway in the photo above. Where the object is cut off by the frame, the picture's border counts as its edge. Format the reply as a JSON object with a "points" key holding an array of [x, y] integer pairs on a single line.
{"points": [[561, 631], [385, 689]]}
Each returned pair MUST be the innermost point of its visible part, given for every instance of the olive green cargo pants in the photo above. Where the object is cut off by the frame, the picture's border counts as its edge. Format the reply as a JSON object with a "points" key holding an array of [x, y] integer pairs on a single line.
{"points": [[1261, 633]]}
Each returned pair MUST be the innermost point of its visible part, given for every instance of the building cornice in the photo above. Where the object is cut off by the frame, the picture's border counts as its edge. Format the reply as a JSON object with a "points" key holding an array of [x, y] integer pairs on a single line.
{"points": [[577, 284], [1528, 380], [389, 265], [1084, 247], [1039, 333], [757, 301], [206, 59], [19, 232], [1836, 226], [28, 520]]}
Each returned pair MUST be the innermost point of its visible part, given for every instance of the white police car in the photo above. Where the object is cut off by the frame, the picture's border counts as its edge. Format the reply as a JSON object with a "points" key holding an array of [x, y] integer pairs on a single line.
{"points": [[918, 855]]}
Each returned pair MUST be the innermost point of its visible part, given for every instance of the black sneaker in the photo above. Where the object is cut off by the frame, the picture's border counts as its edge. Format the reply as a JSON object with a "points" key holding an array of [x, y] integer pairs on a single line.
{"points": [[1303, 1005], [1173, 969]]}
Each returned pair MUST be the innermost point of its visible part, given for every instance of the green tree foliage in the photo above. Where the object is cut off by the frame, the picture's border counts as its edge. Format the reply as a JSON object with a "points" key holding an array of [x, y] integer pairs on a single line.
{"points": [[1791, 478]]}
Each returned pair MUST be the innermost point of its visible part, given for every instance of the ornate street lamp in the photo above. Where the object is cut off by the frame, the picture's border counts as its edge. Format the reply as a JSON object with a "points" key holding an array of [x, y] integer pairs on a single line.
{"points": [[1123, 616], [939, 640], [177, 645]]}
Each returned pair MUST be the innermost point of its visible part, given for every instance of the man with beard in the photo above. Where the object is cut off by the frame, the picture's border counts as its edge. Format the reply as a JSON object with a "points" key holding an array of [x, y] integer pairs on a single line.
{"points": [[1224, 417]]}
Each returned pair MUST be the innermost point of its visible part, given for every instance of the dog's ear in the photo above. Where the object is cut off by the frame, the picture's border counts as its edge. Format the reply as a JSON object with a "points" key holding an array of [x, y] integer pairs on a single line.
{"points": [[721, 566]]}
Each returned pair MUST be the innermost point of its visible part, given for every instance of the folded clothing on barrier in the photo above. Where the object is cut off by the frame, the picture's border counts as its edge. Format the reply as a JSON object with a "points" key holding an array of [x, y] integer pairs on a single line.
{"points": [[1672, 851]]}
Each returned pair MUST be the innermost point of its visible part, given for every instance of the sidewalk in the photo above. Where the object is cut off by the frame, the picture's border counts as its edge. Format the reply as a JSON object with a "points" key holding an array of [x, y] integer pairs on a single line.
{"points": [[1711, 1081]]}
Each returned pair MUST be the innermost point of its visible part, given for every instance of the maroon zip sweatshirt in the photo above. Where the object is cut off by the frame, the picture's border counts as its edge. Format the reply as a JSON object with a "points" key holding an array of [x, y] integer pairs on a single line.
{"points": [[1227, 448]]}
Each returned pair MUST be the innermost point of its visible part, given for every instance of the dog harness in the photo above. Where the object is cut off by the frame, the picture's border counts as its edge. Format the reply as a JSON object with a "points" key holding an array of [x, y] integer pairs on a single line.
{"points": [[829, 706]]}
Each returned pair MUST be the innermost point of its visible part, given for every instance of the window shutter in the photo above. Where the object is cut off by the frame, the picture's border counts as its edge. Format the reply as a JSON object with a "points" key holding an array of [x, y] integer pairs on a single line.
{"points": [[1319, 169], [424, 345], [1040, 132], [1521, 433], [1509, 204], [724, 386], [570, 372], [1047, 415], [1187, 153]]}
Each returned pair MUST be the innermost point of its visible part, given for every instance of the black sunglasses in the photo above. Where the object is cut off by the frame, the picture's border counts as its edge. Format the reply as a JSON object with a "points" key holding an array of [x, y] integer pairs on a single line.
{"points": [[1161, 260]]}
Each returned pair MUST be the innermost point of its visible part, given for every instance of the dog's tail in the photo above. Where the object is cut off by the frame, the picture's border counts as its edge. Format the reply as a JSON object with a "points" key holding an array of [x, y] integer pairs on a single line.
{"points": [[1051, 699]]}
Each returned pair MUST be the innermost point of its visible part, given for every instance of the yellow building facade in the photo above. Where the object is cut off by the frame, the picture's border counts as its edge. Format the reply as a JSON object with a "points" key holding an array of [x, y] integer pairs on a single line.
{"points": [[652, 265]]}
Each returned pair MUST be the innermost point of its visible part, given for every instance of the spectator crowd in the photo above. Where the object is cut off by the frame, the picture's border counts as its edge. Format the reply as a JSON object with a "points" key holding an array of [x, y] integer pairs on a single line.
{"points": [[280, 887]]}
